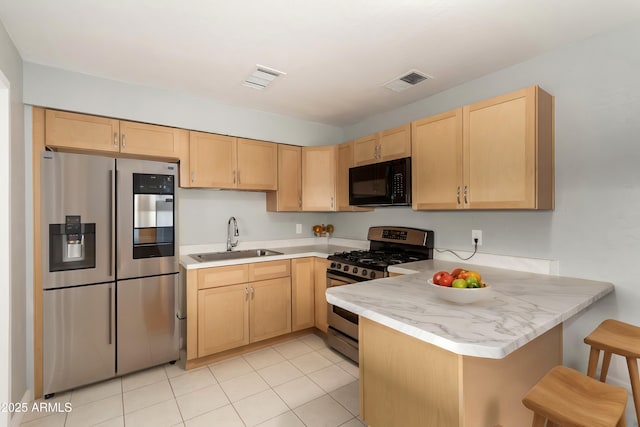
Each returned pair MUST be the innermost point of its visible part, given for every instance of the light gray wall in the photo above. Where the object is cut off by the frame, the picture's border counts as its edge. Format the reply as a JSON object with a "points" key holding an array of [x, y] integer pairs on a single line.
{"points": [[11, 66], [595, 229], [66, 90], [204, 215]]}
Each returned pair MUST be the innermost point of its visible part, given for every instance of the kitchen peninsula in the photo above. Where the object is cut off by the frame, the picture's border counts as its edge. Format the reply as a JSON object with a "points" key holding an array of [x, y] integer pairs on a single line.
{"points": [[428, 362]]}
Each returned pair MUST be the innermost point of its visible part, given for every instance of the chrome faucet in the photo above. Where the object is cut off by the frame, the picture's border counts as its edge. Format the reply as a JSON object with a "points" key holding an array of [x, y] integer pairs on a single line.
{"points": [[232, 228]]}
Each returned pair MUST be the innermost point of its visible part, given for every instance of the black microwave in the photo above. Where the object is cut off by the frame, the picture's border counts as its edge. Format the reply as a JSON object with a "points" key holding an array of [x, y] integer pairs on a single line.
{"points": [[381, 184]]}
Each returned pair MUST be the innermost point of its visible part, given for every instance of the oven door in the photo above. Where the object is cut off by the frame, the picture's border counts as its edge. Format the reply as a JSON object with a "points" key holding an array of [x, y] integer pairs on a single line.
{"points": [[343, 324]]}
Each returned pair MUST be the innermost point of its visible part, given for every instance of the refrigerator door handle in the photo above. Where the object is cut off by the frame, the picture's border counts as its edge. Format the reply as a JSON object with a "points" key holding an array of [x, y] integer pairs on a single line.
{"points": [[111, 314], [111, 216]]}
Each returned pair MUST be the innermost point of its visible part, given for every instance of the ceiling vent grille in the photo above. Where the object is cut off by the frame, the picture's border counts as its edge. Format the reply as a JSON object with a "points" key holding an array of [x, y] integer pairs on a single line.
{"points": [[262, 77], [407, 80]]}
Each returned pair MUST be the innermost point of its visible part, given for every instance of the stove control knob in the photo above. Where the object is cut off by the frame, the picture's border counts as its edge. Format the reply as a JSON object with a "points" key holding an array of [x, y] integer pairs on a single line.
{"points": [[338, 266], [372, 275], [346, 268], [333, 265], [364, 272], [355, 270]]}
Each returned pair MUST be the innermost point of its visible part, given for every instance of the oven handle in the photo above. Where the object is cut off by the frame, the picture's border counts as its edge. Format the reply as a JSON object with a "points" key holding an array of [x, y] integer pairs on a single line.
{"points": [[343, 280]]}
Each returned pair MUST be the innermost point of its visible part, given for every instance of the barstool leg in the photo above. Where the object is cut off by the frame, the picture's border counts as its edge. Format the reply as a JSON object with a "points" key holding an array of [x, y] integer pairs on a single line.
{"points": [[538, 420], [606, 360], [632, 364], [622, 422], [594, 355]]}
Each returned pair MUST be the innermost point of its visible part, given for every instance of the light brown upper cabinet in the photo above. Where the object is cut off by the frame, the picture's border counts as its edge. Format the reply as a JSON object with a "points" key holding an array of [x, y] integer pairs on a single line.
{"points": [[86, 133], [288, 198], [344, 162], [219, 161], [437, 161], [494, 154], [319, 178], [390, 144]]}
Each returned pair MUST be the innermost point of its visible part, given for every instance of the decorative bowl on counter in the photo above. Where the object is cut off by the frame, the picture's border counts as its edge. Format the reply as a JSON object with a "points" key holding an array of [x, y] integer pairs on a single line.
{"points": [[460, 295]]}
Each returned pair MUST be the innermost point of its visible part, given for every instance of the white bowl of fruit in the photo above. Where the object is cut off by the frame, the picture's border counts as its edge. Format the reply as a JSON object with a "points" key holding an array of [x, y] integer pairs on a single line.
{"points": [[460, 286]]}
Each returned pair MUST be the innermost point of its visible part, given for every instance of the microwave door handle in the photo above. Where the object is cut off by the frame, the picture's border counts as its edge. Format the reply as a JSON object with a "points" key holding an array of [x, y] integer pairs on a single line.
{"points": [[389, 183]]}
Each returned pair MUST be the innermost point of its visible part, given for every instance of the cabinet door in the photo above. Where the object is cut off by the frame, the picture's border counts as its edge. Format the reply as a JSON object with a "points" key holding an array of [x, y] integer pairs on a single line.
{"points": [[437, 161], [212, 160], [320, 288], [365, 150], [81, 132], [152, 140], [302, 293], [257, 165], [343, 163], [288, 198], [223, 318], [270, 304], [395, 143], [500, 151], [318, 178]]}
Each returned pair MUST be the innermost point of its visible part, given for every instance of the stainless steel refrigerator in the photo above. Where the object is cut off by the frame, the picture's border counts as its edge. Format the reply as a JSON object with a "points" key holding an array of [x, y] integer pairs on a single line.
{"points": [[109, 267]]}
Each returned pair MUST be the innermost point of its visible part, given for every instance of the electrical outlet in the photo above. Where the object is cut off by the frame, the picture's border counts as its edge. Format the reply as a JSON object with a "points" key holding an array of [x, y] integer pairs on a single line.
{"points": [[298, 228], [476, 234]]}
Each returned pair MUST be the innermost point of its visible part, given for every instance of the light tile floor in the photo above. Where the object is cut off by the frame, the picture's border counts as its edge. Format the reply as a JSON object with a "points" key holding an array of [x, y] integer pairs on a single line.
{"points": [[293, 384]]}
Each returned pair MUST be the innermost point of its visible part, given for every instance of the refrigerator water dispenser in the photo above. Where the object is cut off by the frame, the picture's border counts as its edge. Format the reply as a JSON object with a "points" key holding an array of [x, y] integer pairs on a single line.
{"points": [[72, 245]]}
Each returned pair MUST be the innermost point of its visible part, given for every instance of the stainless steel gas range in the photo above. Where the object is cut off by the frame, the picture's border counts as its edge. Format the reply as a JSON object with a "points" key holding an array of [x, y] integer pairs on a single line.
{"points": [[387, 246]]}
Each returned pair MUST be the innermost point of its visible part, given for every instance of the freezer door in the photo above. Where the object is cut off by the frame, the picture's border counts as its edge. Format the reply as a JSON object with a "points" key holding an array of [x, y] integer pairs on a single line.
{"points": [[78, 336], [77, 225], [147, 218], [148, 330]]}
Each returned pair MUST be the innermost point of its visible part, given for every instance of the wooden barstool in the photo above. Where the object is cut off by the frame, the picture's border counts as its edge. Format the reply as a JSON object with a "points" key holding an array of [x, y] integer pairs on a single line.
{"points": [[565, 397], [615, 337]]}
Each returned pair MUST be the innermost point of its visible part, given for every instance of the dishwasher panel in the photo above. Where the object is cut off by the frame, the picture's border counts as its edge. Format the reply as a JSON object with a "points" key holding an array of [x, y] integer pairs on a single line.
{"points": [[78, 336], [148, 328]]}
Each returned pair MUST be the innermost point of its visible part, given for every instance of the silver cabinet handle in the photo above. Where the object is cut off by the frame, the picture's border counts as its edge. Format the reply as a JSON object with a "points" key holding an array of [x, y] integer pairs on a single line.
{"points": [[124, 141], [466, 201], [253, 291], [332, 202], [299, 201], [234, 176], [246, 294], [458, 194], [193, 177], [115, 140]]}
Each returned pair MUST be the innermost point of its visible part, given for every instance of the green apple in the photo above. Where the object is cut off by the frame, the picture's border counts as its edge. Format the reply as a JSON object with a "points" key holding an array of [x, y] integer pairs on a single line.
{"points": [[472, 282], [459, 283]]}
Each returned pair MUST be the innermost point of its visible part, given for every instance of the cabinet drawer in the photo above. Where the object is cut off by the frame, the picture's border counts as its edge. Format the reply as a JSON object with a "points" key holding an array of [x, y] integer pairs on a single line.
{"points": [[222, 276], [269, 270]]}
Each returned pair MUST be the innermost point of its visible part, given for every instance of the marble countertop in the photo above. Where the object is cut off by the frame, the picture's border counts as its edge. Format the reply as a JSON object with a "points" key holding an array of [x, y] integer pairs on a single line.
{"points": [[289, 249], [521, 306]]}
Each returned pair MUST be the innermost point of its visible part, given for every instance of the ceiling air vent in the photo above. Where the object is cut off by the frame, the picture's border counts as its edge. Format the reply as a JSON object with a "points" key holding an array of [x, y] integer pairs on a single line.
{"points": [[405, 81], [262, 77]]}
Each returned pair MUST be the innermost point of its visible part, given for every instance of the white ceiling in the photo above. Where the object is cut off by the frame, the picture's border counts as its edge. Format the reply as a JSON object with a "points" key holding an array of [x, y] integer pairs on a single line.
{"points": [[337, 53]]}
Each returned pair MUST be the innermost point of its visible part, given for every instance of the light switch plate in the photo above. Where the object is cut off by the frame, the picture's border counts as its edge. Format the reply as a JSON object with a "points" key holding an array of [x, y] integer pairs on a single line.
{"points": [[298, 228]]}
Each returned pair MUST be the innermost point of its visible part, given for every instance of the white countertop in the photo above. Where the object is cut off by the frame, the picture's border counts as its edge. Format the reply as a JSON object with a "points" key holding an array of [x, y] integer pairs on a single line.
{"points": [[296, 248], [522, 306]]}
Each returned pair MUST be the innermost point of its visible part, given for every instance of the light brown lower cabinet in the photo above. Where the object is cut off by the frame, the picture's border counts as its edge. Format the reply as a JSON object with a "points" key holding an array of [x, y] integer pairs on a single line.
{"points": [[302, 293], [320, 286], [223, 319], [232, 312], [408, 382]]}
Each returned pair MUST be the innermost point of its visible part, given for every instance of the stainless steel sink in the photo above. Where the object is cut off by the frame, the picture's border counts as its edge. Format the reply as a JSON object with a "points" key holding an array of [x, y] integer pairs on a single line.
{"points": [[223, 256]]}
